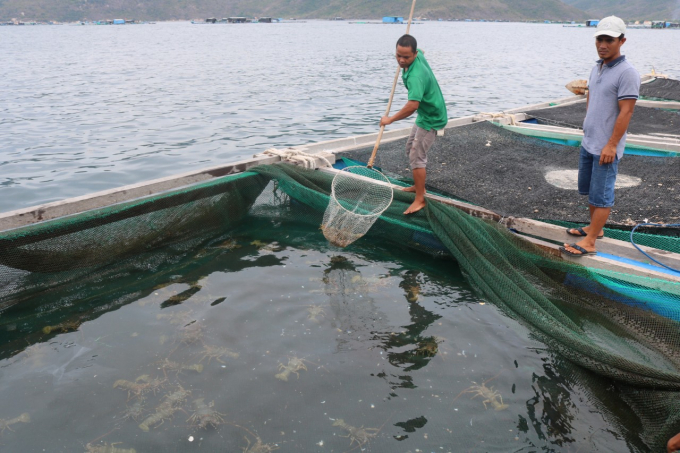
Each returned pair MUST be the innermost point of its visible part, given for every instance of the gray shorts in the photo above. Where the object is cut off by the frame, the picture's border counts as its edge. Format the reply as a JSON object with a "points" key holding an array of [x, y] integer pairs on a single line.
{"points": [[418, 144]]}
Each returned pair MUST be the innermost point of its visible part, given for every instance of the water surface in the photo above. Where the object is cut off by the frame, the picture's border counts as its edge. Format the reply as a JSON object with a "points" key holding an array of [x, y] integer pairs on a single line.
{"points": [[87, 108], [390, 340]]}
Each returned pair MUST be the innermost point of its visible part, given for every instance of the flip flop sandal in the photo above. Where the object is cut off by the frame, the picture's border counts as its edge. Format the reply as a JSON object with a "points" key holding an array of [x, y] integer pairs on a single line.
{"points": [[581, 233], [579, 248]]}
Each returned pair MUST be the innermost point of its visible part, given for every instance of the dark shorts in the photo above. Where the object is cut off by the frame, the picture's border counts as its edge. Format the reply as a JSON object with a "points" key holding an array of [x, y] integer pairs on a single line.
{"points": [[597, 181], [418, 144]]}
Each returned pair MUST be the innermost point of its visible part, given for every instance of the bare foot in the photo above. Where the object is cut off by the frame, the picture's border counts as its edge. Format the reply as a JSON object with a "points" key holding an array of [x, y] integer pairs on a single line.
{"points": [[415, 207], [409, 189]]}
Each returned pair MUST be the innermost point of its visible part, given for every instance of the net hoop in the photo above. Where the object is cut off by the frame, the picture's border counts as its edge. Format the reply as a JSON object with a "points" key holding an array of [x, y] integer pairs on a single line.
{"points": [[359, 195], [360, 176]]}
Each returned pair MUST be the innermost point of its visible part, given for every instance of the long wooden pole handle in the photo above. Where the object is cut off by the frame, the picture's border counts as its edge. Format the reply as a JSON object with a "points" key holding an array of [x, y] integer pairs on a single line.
{"points": [[394, 86]]}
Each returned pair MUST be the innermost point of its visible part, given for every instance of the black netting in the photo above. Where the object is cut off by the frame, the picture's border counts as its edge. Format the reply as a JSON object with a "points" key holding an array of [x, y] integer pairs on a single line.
{"points": [[661, 89], [645, 120], [505, 172]]}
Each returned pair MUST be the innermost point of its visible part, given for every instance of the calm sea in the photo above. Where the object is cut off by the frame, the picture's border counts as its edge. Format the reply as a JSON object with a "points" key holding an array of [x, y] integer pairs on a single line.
{"points": [[86, 108]]}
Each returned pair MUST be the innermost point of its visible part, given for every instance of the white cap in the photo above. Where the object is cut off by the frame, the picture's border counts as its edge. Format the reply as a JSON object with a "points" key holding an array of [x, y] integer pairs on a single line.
{"points": [[611, 26]]}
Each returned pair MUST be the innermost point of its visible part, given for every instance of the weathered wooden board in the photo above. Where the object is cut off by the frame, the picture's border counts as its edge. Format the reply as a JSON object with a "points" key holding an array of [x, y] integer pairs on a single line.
{"points": [[26, 216]]}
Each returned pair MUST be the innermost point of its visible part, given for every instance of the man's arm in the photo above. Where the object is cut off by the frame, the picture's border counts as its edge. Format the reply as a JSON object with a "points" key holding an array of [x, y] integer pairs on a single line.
{"points": [[626, 107], [673, 444], [406, 111]]}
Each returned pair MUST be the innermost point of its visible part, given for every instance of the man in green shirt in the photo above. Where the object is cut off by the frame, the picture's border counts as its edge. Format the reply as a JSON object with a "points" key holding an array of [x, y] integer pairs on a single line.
{"points": [[424, 96]]}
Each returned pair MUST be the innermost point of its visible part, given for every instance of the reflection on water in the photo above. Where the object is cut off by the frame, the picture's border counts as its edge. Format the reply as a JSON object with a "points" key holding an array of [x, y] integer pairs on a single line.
{"points": [[550, 410], [357, 317], [252, 342]]}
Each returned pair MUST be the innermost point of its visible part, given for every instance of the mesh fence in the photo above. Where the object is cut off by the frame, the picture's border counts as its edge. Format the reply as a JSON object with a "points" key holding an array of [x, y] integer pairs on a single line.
{"points": [[606, 323]]}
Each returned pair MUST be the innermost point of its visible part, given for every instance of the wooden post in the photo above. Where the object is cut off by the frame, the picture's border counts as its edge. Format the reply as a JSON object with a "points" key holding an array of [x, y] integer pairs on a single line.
{"points": [[394, 86]]}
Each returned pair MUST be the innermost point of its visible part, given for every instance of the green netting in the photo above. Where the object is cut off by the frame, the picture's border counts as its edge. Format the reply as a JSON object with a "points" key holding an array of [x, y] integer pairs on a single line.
{"points": [[49, 253], [659, 238], [603, 322], [522, 279]]}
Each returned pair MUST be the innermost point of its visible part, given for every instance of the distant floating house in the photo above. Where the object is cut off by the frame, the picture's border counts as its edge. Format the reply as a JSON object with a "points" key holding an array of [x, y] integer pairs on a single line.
{"points": [[237, 20], [664, 24], [265, 20], [592, 22], [393, 20], [118, 21]]}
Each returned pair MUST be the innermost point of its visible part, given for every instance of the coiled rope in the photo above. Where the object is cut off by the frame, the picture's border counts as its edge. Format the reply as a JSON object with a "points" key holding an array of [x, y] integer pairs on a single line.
{"points": [[500, 115], [298, 156]]}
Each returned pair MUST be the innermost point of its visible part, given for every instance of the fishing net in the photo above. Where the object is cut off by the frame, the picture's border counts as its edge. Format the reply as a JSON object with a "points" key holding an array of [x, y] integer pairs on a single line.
{"points": [[620, 328], [358, 196]]}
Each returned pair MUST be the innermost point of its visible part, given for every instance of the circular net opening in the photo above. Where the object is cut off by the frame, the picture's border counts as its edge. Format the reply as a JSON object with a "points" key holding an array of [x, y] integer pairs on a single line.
{"points": [[359, 195]]}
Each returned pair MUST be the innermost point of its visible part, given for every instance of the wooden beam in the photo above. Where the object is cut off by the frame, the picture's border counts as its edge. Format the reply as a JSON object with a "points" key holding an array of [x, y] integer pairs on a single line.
{"points": [[544, 105], [622, 249], [673, 139], [669, 105], [27, 216], [659, 143], [362, 141], [626, 272]]}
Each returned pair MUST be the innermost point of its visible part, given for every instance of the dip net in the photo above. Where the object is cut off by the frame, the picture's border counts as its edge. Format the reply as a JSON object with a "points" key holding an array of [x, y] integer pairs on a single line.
{"points": [[359, 195], [606, 327]]}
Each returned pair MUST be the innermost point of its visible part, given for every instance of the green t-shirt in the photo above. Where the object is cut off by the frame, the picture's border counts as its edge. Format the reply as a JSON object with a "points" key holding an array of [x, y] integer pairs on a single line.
{"points": [[423, 87]]}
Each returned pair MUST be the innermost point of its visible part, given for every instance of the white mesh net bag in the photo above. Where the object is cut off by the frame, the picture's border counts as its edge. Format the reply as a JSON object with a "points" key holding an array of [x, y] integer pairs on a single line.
{"points": [[358, 196]]}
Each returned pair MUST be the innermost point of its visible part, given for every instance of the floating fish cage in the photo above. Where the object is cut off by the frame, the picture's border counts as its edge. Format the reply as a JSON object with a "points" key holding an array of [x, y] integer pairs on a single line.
{"points": [[209, 313]]}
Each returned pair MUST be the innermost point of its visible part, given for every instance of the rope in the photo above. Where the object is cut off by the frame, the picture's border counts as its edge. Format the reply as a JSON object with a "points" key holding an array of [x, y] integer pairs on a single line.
{"points": [[641, 251], [299, 157], [500, 115]]}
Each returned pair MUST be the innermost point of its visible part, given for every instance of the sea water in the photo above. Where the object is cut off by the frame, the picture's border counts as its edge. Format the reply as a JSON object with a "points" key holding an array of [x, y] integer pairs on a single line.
{"points": [[278, 340]]}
